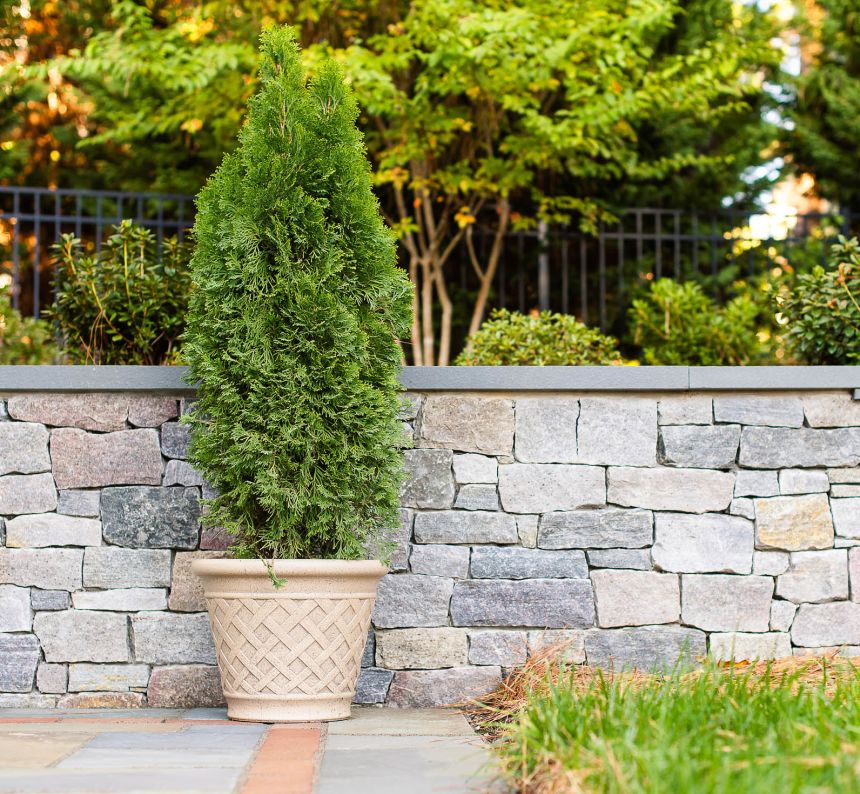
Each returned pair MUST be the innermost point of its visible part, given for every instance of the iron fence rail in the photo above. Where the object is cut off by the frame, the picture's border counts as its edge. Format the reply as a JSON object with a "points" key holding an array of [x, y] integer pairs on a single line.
{"points": [[557, 268]]}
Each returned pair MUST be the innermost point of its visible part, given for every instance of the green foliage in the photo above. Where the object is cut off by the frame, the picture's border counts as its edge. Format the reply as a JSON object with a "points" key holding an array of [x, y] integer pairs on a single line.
{"points": [[124, 304], [821, 311], [678, 324], [296, 306], [823, 138], [24, 340], [769, 728], [545, 339]]}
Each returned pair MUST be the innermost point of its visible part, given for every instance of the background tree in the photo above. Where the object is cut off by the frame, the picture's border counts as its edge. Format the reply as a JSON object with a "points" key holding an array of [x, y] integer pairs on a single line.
{"points": [[823, 138]]}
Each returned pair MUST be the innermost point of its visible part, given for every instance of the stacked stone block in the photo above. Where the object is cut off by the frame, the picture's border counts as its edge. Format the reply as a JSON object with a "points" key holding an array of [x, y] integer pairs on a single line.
{"points": [[621, 530]]}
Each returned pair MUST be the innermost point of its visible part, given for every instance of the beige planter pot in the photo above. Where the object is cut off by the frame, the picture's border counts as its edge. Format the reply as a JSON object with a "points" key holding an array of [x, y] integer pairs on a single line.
{"points": [[291, 654]]}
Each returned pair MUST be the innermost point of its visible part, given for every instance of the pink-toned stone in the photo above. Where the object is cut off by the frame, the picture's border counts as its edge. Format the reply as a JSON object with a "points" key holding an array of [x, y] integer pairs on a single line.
{"points": [[102, 700], [151, 410], [184, 687], [87, 460], [186, 590], [215, 539], [102, 412], [854, 572]]}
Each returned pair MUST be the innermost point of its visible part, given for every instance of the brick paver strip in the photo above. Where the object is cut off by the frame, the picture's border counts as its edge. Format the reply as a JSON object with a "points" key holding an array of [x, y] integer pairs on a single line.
{"points": [[286, 762]]}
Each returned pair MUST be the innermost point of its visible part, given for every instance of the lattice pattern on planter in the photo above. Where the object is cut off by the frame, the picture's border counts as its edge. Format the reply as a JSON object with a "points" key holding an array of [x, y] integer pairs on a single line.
{"points": [[285, 646]]}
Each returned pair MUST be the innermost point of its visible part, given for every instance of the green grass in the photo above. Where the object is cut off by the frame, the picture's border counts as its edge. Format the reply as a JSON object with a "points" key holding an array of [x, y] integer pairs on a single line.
{"points": [[781, 728]]}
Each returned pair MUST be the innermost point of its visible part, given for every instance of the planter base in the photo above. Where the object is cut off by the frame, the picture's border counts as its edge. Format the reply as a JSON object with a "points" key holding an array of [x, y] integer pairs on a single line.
{"points": [[291, 654]]}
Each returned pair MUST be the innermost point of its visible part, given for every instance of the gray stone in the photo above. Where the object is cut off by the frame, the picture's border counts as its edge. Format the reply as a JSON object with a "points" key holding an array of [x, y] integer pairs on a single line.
{"points": [[607, 528], [82, 636], [618, 431], [645, 648], [440, 560], [49, 600], [4, 414], [846, 491], [756, 483], [429, 480], [832, 410], [19, 655], [368, 656], [846, 517], [372, 686], [185, 686], [92, 411], [564, 645], [421, 648], [815, 576], [51, 678], [151, 517], [15, 611], [132, 599], [770, 563], [546, 429], [703, 543], [726, 603], [782, 448], [410, 406], [845, 543], [819, 625], [684, 490], [407, 600], [423, 689], [174, 440], [700, 447], [50, 529], [544, 603], [27, 493], [181, 472], [799, 481], [79, 503], [467, 424], [527, 529], [87, 460], [515, 562], [2, 532], [151, 410], [544, 487], [504, 648], [794, 523], [27, 700], [85, 677], [635, 598], [782, 615], [167, 638], [477, 497], [749, 647], [393, 542], [111, 567], [471, 468], [186, 588], [631, 559], [465, 527], [854, 572], [687, 409], [851, 475], [745, 508], [759, 410], [23, 448], [50, 569]]}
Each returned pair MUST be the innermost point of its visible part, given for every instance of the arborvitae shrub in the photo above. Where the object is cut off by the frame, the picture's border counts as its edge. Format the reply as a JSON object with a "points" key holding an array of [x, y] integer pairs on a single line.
{"points": [[296, 306], [539, 339]]}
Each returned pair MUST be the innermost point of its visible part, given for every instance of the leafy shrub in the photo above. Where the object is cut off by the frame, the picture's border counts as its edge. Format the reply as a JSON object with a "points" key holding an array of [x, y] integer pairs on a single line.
{"points": [[821, 311], [125, 304], [679, 324], [511, 339], [23, 340], [296, 306]]}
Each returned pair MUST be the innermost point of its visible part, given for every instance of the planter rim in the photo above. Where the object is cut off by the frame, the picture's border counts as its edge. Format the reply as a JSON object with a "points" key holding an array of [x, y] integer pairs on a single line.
{"points": [[321, 567]]}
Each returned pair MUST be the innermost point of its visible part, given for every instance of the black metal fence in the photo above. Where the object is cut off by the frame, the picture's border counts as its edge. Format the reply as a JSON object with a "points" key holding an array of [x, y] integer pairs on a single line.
{"points": [[556, 268]]}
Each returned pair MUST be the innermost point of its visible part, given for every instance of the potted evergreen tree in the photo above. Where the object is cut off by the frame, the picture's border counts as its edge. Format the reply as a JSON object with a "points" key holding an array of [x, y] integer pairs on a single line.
{"points": [[295, 312]]}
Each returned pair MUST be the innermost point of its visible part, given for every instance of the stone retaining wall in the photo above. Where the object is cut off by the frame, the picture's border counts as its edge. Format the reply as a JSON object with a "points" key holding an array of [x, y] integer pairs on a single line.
{"points": [[634, 528]]}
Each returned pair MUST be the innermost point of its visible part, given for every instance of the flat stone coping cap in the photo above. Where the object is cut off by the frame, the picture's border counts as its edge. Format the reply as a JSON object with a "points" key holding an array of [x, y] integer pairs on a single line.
{"points": [[621, 378]]}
